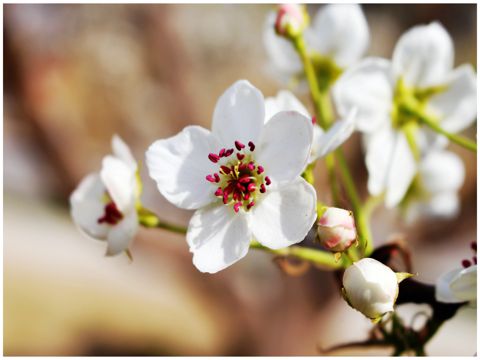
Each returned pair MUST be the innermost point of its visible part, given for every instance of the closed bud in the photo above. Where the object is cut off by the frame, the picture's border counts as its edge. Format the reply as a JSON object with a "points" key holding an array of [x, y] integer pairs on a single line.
{"points": [[371, 287], [336, 229], [291, 20]]}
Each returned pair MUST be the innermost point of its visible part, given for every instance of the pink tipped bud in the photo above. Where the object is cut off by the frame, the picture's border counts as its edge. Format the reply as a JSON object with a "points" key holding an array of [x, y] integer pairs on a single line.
{"points": [[291, 20], [336, 229]]}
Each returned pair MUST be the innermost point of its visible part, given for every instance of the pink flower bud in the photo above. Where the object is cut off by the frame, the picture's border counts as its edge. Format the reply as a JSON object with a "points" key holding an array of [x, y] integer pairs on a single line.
{"points": [[291, 19], [336, 229]]}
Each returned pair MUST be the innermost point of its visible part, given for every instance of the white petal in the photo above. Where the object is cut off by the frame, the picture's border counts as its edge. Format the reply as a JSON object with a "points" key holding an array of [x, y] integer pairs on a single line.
{"points": [[456, 108], [280, 51], [122, 152], [284, 101], [379, 149], [441, 171], [217, 238], [119, 180], [121, 234], [368, 87], [327, 142], [239, 114], [464, 285], [285, 215], [401, 172], [87, 206], [340, 31], [180, 164], [457, 285], [423, 55], [285, 146]]}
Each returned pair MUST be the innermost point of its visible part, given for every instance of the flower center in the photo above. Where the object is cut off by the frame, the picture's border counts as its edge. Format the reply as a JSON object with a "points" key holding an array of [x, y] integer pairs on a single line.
{"points": [[240, 179], [112, 215]]}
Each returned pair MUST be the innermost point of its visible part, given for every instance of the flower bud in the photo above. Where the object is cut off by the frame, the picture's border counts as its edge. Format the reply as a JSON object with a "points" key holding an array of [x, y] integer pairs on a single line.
{"points": [[371, 287], [291, 20], [336, 229]]}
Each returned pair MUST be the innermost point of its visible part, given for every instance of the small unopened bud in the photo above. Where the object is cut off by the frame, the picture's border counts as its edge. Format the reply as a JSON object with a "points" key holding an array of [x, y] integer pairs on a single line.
{"points": [[291, 20], [371, 287], [336, 229]]}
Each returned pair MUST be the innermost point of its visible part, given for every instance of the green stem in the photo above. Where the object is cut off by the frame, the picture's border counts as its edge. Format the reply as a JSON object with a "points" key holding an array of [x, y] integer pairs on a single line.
{"points": [[314, 256], [361, 220], [432, 124], [155, 222]]}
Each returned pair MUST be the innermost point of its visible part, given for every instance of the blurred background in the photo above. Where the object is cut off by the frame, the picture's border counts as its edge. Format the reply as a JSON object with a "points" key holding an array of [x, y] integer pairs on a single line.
{"points": [[76, 74]]}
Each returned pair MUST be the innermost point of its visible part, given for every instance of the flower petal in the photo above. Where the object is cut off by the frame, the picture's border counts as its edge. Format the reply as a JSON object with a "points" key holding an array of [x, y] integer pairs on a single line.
{"points": [[239, 114], [368, 87], [179, 165], [340, 31], [457, 106], [121, 234], [379, 148], [458, 285], [284, 101], [122, 152], [285, 145], [423, 55], [326, 142], [217, 238], [119, 180], [285, 215], [87, 206], [280, 51], [402, 170], [441, 171]]}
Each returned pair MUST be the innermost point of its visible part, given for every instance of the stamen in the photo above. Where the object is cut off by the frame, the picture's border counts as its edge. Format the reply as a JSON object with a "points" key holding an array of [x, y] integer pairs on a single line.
{"points": [[245, 179], [262, 188], [210, 178], [246, 196], [239, 145], [475, 260], [473, 245], [228, 152], [314, 120], [240, 156], [267, 180], [251, 145], [217, 177], [260, 170], [251, 187], [466, 263], [251, 165], [236, 207], [112, 215], [219, 192], [222, 152], [250, 205], [213, 157], [225, 169]]}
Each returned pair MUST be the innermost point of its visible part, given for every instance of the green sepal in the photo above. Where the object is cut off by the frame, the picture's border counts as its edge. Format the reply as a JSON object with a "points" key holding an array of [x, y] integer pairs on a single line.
{"points": [[402, 276]]}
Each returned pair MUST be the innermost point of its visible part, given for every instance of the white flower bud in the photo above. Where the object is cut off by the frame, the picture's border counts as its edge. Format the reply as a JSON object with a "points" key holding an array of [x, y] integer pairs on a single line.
{"points": [[336, 229], [291, 20], [371, 287]]}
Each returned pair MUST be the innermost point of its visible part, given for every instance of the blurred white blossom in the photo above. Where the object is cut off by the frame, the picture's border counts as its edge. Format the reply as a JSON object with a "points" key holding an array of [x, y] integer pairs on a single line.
{"points": [[243, 177], [337, 39], [104, 204], [420, 75]]}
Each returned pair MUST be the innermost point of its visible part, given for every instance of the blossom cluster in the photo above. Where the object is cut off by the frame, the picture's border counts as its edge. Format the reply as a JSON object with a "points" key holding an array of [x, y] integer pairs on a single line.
{"points": [[247, 178]]}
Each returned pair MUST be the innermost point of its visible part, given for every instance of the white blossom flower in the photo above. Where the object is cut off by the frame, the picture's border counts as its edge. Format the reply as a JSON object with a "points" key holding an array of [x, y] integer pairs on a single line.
{"points": [[338, 38], [324, 142], [420, 72], [243, 177], [434, 191], [103, 204], [336, 229], [371, 287]]}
